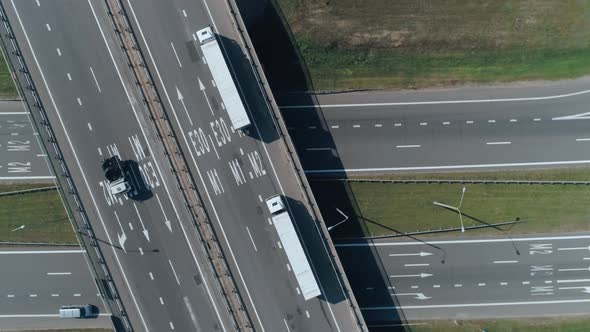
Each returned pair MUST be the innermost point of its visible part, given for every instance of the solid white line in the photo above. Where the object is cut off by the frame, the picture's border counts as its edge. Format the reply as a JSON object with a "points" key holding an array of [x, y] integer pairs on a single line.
{"points": [[174, 271], [467, 305], [505, 262], [95, 80], [542, 163], [176, 54], [467, 101], [251, 239], [522, 239], [582, 139], [59, 273], [41, 252], [407, 146], [498, 143], [414, 265]]}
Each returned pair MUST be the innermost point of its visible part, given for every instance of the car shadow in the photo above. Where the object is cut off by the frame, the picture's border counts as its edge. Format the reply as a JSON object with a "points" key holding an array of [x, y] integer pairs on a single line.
{"points": [[290, 82]]}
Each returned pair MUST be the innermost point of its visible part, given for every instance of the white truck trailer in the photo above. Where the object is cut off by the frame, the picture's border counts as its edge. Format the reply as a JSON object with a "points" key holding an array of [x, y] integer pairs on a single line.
{"points": [[222, 77], [295, 254]]}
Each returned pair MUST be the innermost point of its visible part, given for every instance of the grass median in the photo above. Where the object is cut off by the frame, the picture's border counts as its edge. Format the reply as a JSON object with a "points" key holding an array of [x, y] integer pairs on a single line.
{"points": [[507, 325], [386, 208], [42, 214], [351, 44]]}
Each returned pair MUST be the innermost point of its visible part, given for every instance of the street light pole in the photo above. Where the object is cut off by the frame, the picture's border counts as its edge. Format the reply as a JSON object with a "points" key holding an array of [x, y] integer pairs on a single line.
{"points": [[458, 209], [345, 219], [18, 228]]}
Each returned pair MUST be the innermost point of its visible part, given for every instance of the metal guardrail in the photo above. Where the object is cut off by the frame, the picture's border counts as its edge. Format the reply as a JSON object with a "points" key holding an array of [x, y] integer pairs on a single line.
{"points": [[451, 181], [178, 166], [295, 163], [71, 198]]}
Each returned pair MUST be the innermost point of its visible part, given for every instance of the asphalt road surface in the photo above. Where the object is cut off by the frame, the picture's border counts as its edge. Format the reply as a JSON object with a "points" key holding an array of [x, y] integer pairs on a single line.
{"points": [[237, 169], [21, 156], [93, 106], [37, 281], [476, 277], [88, 92], [469, 128]]}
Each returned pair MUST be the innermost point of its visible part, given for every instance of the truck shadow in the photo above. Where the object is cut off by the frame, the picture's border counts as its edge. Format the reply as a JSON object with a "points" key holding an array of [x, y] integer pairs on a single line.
{"points": [[140, 190], [290, 82]]}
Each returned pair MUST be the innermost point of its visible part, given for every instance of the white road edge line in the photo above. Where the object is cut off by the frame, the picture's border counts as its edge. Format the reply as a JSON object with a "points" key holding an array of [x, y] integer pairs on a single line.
{"points": [[466, 101], [413, 168]]}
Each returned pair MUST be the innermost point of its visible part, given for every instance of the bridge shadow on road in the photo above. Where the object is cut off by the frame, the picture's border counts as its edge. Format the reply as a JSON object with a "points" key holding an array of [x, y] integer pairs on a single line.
{"points": [[288, 77]]}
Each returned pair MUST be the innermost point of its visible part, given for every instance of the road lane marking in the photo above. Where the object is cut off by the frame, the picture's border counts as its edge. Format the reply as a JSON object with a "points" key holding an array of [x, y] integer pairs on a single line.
{"points": [[312, 127], [498, 143], [171, 325], [77, 295], [575, 269], [161, 301], [176, 54], [89, 126], [424, 123], [441, 167], [54, 295], [79, 101], [526, 282], [59, 273], [151, 276], [397, 125], [435, 286], [469, 122], [503, 283], [48, 27], [446, 123], [582, 139], [251, 239], [184, 13], [307, 313], [335, 127], [421, 275], [537, 119], [32, 295], [415, 265], [69, 76], [491, 121], [38, 3], [513, 120], [458, 285], [174, 271], [440, 102], [421, 254], [99, 152], [286, 325], [14, 113], [58, 51], [548, 281], [466, 305], [407, 146], [413, 287], [356, 126], [378, 125], [573, 248], [141, 251], [288, 267], [10, 295], [505, 262], [481, 284], [17, 252], [95, 80]]}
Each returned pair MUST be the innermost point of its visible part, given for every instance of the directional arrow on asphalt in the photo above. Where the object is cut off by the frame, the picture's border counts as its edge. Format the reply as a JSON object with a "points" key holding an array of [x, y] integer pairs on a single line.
{"points": [[581, 116], [145, 231], [586, 289], [166, 221], [122, 238], [417, 296], [574, 248], [421, 254], [202, 88], [421, 275], [181, 99], [580, 269]]}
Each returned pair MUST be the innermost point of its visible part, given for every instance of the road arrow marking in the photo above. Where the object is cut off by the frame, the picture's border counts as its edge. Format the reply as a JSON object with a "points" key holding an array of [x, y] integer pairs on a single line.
{"points": [[202, 88], [586, 289], [122, 238], [181, 99], [572, 280], [581, 116], [580, 269], [574, 248], [417, 296], [145, 231], [421, 275], [421, 254], [166, 221]]}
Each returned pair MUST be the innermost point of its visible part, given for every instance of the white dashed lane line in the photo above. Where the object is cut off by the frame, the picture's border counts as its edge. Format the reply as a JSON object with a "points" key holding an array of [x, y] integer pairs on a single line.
{"points": [[498, 143], [407, 146]]}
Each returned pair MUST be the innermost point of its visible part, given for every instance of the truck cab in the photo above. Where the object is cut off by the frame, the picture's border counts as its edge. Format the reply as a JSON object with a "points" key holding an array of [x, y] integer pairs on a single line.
{"points": [[275, 204]]}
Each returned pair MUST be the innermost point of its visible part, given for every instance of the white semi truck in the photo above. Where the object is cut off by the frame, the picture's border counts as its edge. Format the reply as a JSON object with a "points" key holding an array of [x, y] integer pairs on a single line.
{"points": [[295, 254], [222, 77]]}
